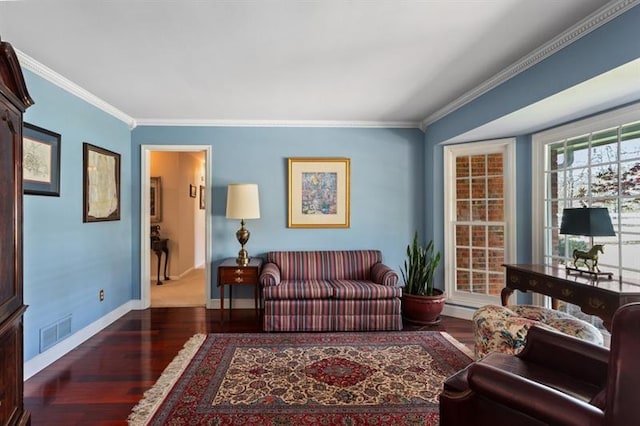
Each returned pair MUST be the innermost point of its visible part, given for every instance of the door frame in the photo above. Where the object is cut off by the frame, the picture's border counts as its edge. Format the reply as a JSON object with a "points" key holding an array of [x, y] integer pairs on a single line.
{"points": [[145, 220]]}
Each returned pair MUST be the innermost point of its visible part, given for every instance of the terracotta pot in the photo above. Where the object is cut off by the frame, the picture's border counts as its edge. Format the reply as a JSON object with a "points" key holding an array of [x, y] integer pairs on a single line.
{"points": [[423, 310]]}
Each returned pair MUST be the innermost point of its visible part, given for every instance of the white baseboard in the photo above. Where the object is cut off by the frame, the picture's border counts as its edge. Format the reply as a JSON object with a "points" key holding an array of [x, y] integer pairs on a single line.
{"points": [[461, 312], [46, 358], [237, 303]]}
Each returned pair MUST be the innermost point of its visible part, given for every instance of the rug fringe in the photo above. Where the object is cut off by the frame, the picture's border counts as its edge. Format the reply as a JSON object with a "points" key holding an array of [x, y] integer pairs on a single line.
{"points": [[152, 398], [461, 347]]}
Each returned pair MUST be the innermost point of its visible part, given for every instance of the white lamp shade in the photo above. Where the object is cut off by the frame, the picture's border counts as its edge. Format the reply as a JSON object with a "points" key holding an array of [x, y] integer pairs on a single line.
{"points": [[243, 201]]}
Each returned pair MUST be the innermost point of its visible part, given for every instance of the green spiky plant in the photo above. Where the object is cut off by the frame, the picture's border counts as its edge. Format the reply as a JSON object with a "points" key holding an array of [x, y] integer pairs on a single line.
{"points": [[419, 268]]}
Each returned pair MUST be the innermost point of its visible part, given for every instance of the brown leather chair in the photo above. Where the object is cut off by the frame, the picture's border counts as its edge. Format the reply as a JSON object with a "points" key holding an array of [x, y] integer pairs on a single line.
{"points": [[555, 380]]}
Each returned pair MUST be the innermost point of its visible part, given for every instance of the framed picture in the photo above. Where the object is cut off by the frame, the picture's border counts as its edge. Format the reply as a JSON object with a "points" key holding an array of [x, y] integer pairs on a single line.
{"points": [[101, 184], [40, 161], [155, 198], [202, 199], [319, 192]]}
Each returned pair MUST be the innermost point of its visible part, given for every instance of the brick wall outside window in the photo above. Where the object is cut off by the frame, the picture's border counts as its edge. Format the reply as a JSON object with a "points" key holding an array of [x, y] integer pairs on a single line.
{"points": [[479, 223]]}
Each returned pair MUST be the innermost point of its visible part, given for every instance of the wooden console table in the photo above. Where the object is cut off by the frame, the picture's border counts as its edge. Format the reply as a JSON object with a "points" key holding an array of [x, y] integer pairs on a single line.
{"points": [[159, 246], [595, 297]]}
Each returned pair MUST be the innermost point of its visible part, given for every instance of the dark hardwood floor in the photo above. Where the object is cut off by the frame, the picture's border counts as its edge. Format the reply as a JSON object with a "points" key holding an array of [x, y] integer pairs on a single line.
{"points": [[99, 382]]}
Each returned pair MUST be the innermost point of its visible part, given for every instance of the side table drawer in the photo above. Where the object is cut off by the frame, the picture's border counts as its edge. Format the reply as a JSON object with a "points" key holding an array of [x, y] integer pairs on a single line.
{"points": [[238, 275]]}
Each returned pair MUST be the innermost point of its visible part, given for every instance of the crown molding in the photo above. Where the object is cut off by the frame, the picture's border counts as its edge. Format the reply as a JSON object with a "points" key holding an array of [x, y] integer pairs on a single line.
{"points": [[64, 83], [277, 123], [579, 30]]}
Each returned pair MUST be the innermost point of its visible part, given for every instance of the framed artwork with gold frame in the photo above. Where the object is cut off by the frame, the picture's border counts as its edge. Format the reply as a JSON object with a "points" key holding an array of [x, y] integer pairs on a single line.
{"points": [[319, 192]]}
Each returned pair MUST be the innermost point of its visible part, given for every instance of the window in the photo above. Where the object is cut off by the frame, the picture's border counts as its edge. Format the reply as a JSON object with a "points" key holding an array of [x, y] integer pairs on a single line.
{"points": [[594, 163], [480, 219]]}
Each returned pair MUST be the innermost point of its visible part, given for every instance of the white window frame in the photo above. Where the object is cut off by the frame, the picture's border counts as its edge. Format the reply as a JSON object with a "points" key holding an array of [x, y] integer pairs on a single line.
{"points": [[606, 120], [507, 147]]}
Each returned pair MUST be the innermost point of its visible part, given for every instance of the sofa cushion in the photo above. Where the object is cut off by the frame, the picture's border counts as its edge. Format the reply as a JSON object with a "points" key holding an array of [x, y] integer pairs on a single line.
{"points": [[363, 290], [307, 289], [325, 265]]}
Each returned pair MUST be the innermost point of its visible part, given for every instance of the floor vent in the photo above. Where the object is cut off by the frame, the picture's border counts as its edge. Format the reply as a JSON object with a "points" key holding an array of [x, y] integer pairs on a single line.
{"points": [[52, 334]]}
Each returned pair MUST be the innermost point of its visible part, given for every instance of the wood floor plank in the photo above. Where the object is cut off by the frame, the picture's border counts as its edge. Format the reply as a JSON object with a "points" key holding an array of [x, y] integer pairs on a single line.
{"points": [[99, 382]]}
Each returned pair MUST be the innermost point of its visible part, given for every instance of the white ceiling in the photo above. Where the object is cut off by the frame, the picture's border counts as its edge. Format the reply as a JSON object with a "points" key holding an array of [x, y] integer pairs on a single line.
{"points": [[386, 62]]}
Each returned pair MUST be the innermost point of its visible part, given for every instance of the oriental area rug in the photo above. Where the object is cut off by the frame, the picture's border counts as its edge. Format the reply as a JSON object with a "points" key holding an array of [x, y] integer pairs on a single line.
{"points": [[375, 378]]}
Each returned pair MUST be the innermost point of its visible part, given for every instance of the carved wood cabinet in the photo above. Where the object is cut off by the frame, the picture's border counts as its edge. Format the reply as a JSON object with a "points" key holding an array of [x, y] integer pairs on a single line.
{"points": [[14, 100]]}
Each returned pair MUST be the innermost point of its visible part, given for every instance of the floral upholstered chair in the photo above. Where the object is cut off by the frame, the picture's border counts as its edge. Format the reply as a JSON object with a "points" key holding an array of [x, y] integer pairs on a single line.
{"points": [[504, 328]]}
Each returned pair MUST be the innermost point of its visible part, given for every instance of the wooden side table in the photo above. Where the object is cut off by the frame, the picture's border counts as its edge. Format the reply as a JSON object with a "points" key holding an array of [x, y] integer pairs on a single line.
{"points": [[230, 273]]}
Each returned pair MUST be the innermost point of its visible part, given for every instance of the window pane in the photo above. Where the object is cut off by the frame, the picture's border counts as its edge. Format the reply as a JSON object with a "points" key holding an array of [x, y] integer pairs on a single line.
{"points": [[463, 280], [577, 154], [479, 188], [462, 166], [478, 165], [630, 178], [496, 283], [463, 258], [479, 236], [479, 210], [575, 183], [495, 189], [556, 155], [630, 141], [495, 165], [496, 210], [463, 211], [552, 186], [462, 189], [462, 235], [604, 181], [604, 146], [496, 259], [479, 259], [496, 236], [479, 284]]}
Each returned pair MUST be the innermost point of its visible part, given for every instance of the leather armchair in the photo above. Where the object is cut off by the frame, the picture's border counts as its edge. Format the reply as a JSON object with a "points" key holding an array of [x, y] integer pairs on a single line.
{"points": [[556, 380]]}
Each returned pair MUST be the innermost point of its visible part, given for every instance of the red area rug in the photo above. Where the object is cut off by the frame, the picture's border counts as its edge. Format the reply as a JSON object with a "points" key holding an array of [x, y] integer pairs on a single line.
{"points": [[380, 378]]}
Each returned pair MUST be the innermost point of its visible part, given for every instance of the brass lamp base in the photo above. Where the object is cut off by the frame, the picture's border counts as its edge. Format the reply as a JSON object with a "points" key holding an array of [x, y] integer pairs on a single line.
{"points": [[243, 235]]}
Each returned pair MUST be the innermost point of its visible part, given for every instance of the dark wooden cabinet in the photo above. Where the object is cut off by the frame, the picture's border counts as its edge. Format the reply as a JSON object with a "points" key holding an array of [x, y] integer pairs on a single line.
{"points": [[14, 100], [230, 274]]}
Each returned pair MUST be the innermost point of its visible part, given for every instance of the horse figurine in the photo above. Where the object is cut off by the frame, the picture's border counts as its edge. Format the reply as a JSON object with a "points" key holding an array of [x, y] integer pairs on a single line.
{"points": [[591, 255]]}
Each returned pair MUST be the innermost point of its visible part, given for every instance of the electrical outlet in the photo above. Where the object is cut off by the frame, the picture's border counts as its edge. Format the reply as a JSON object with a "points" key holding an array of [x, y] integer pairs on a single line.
{"points": [[101, 295]]}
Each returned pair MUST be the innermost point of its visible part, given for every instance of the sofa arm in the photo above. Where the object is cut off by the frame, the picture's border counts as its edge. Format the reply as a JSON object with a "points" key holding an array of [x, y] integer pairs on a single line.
{"points": [[270, 275], [569, 354], [382, 274], [531, 398]]}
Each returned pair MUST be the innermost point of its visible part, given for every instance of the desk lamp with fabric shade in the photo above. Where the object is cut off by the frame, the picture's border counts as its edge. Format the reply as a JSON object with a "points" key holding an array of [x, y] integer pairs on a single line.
{"points": [[590, 222], [243, 203]]}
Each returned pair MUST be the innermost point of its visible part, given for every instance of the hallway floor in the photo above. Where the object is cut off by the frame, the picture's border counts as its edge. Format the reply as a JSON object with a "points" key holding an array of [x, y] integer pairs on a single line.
{"points": [[188, 291]]}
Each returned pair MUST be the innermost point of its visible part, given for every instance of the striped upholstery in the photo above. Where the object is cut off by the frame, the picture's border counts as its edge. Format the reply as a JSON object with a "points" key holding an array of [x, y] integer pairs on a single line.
{"points": [[329, 291], [325, 265], [351, 289]]}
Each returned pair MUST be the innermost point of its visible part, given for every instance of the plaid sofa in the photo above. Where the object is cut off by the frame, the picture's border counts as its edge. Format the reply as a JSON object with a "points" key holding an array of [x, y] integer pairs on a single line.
{"points": [[329, 291]]}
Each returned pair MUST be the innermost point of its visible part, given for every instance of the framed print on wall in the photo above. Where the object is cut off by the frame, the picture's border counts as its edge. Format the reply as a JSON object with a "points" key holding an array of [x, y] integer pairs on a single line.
{"points": [[40, 161], [155, 199], [101, 184], [319, 193]]}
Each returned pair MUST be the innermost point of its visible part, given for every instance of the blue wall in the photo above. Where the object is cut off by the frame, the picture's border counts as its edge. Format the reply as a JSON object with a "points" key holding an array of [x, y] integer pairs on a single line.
{"points": [[387, 186], [605, 48], [66, 261]]}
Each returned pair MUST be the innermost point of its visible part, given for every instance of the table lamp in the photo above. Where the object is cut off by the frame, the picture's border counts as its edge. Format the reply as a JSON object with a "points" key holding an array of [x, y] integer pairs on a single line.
{"points": [[243, 203], [590, 222]]}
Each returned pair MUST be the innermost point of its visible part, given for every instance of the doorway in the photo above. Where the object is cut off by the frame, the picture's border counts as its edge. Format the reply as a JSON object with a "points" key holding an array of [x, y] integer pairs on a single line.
{"points": [[176, 225]]}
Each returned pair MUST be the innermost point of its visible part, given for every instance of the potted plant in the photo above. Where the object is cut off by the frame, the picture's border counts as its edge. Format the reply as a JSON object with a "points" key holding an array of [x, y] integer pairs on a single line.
{"points": [[421, 302]]}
